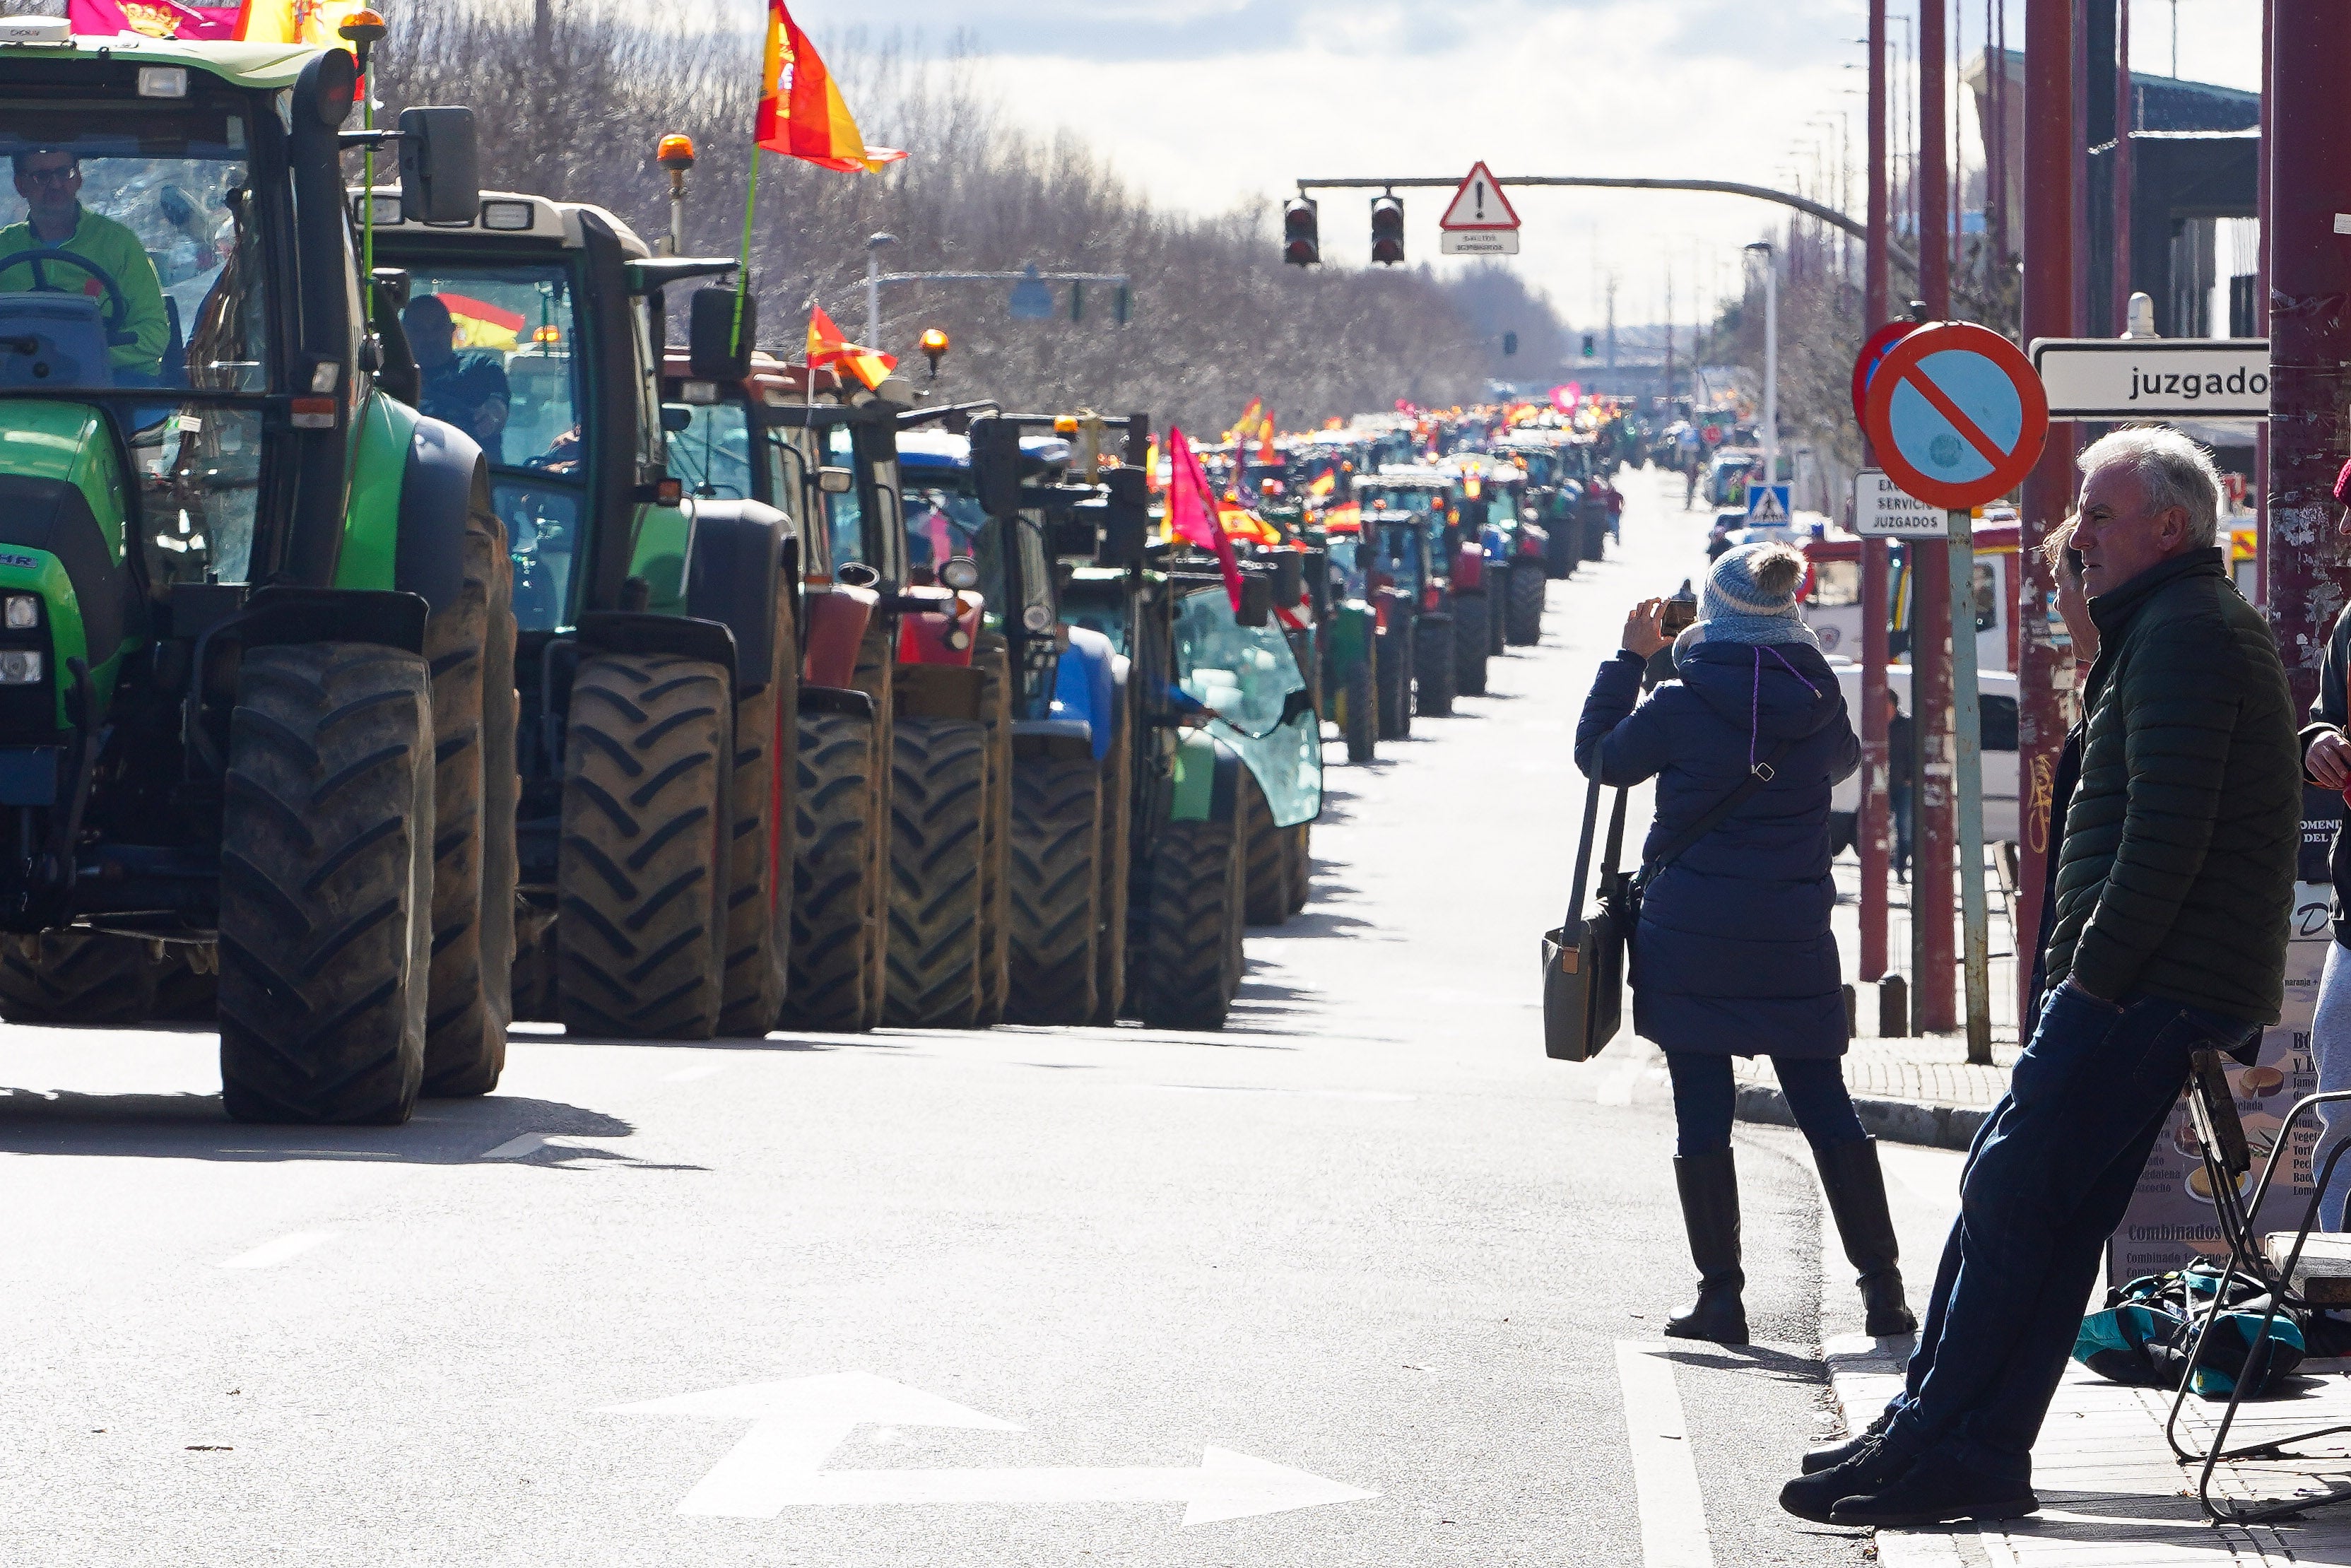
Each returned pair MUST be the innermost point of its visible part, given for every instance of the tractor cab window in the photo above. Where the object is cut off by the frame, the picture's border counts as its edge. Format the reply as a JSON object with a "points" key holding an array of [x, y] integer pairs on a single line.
{"points": [[844, 514], [942, 519], [1399, 557], [1542, 468], [494, 351], [710, 448], [1244, 676]]}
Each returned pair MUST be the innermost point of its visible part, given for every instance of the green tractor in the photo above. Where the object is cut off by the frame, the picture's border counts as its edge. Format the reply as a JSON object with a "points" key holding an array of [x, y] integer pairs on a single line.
{"points": [[257, 694], [658, 656]]}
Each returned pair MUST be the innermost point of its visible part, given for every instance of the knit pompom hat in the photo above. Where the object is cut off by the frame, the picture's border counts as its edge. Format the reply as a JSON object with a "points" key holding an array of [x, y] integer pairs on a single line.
{"points": [[1751, 597]]}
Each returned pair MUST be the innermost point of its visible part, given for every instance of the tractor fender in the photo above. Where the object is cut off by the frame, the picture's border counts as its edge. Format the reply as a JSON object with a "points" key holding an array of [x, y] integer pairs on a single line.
{"points": [[1085, 685], [443, 482], [627, 631], [835, 617], [1207, 781], [1469, 566], [736, 572]]}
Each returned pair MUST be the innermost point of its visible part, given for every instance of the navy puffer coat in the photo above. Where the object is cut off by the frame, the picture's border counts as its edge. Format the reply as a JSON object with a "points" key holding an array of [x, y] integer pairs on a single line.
{"points": [[1733, 956]]}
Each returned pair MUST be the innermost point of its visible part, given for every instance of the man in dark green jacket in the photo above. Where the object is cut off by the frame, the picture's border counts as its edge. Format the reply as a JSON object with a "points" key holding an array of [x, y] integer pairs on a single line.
{"points": [[2174, 887]]}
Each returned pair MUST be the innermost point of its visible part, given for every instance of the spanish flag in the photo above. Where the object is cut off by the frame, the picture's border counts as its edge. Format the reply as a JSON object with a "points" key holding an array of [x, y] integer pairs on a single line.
{"points": [[1248, 420], [1265, 451], [294, 21], [826, 346], [1325, 485], [801, 114]]}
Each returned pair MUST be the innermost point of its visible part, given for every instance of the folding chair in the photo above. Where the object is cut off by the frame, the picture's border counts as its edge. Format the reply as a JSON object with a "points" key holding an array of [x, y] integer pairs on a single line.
{"points": [[2278, 1268]]}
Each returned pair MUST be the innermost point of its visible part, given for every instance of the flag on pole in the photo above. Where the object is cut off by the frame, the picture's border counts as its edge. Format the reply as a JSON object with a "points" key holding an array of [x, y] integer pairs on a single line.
{"points": [[1248, 419], [153, 19], [801, 113], [312, 22], [826, 346], [1265, 448], [1193, 513]]}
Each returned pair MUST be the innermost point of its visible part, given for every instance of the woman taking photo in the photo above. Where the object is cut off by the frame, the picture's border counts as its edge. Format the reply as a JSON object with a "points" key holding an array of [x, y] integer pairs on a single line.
{"points": [[1733, 956]]}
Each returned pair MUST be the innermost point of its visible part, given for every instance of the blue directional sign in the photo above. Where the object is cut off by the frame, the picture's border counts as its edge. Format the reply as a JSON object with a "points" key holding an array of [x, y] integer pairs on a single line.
{"points": [[1032, 297]]}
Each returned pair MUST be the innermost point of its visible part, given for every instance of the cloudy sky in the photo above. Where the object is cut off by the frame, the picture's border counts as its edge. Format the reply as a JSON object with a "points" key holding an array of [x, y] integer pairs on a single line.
{"points": [[1205, 103]]}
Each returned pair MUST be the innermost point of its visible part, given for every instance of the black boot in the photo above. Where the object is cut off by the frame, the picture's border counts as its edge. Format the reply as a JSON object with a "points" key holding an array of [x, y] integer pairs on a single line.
{"points": [[1828, 1458], [1710, 1191], [1935, 1490], [1857, 1189], [1873, 1466]]}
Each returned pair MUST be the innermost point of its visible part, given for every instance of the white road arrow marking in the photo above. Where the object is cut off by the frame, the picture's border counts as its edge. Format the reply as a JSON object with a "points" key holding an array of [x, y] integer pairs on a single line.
{"points": [[796, 1424]]}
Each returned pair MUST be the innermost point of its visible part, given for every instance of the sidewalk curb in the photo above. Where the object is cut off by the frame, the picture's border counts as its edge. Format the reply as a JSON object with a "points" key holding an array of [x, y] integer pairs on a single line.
{"points": [[1894, 1121]]}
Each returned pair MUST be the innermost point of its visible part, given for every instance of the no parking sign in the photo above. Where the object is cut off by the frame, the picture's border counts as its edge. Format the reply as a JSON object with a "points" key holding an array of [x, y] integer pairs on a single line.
{"points": [[1956, 414]]}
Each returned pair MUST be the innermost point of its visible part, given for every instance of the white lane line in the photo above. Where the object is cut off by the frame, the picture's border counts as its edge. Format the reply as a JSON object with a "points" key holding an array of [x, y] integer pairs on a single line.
{"points": [[699, 1070], [270, 1253], [1673, 1515], [518, 1148]]}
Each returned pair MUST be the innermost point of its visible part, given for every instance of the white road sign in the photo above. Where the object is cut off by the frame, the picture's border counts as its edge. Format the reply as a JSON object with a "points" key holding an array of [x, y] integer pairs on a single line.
{"points": [[2155, 378], [798, 1422], [1881, 510], [1480, 221]]}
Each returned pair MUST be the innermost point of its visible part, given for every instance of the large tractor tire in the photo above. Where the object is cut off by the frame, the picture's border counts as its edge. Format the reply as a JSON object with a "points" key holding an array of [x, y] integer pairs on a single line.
{"points": [[837, 892], [1359, 711], [643, 866], [534, 964], [1392, 669], [937, 811], [1433, 667], [1183, 976], [1472, 633], [1249, 811], [1298, 848], [470, 649], [1056, 885], [877, 663], [1564, 547], [77, 977], [1117, 859], [1269, 880], [758, 921], [326, 887], [1498, 608], [1523, 609], [993, 660]]}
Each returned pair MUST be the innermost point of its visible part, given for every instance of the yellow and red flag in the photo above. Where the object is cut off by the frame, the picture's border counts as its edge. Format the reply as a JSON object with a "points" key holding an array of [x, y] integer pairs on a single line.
{"points": [[482, 325], [801, 113], [1265, 447], [1248, 419], [826, 346], [311, 22], [1325, 485]]}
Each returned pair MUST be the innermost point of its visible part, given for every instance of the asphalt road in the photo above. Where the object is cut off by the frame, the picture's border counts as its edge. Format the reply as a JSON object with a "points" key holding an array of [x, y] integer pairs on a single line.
{"points": [[1351, 1282]]}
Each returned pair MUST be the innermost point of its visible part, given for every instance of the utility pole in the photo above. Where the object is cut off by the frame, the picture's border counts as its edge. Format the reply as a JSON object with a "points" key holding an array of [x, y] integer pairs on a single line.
{"points": [[1936, 997], [1612, 321], [2048, 490], [1669, 341], [1876, 851], [2309, 156], [2119, 290], [873, 244], [1762, 248]]}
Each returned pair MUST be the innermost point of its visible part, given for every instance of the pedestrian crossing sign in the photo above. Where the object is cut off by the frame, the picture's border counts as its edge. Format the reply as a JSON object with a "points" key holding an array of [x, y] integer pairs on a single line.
{"points": [[1768, 506]]}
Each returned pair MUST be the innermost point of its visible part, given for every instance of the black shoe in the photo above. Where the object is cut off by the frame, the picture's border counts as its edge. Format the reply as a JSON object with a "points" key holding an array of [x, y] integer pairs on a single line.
{"points": [[1815, 1495], [1855, 1186], [1820, 1459], [1709, 1185], [1936, 1489]]}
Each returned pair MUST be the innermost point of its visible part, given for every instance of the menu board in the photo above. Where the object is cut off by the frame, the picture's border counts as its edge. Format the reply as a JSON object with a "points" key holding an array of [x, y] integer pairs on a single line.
{"points": [[2170, 1221]]}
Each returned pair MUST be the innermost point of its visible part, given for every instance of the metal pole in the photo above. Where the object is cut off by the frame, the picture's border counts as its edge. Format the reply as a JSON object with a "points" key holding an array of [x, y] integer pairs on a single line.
{"points": [[873, 296], [1770, 367], [1962, 553], [1932, 629], [2120, 288], [1876, 851], [2049, 488], [2310, 335]]}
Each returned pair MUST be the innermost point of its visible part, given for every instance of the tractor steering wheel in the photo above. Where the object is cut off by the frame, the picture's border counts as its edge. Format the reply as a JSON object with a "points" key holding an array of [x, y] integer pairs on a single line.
{"points": [[117, 306]]}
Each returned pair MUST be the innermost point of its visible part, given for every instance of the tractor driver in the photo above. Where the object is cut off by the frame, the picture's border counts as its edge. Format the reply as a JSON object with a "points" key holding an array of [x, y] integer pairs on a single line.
{"points": [[469, 390], [50, 181]]}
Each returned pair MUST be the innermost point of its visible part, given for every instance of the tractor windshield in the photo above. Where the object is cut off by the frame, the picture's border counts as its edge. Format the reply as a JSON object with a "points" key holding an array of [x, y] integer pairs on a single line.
{"points": [[1244, 675], [493, 357], [710, 448]]}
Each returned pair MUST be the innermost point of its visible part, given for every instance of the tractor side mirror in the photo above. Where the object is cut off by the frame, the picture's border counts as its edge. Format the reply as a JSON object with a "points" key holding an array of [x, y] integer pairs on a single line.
{"points": [[676, 421], [996, 466], [1296, 704], [1257, 601], [836, 481], [1288, 577], [1126, 520], [714, 349], [1077, 536], [439, 181]]}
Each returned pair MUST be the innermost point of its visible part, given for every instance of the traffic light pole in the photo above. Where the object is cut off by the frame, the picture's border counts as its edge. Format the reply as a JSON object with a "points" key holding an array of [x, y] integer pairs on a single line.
{"points": [[1933, 630], [874, 281], [1873, 845]]}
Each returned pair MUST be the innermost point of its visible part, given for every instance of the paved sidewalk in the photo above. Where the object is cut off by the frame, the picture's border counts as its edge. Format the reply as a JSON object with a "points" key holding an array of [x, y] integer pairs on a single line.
{"points": [[1917, 1090]]}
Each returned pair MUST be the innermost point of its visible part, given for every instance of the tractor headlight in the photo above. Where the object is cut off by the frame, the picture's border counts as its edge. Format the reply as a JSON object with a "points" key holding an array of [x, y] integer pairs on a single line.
{"points": [[23, 612], [19, 667]]}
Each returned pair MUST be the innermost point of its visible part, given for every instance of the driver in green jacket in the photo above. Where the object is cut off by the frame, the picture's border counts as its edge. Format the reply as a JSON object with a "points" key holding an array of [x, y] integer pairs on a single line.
{"points": [[50, 183]]}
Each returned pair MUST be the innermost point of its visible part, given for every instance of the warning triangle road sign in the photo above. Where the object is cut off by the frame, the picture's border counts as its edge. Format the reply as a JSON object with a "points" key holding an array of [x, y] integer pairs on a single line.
{"points": [[1479, 204]]}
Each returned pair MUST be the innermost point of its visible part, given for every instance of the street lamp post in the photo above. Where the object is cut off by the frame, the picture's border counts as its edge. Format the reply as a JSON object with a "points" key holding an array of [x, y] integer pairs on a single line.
{"points": [[873, 244], [1770, 362]]}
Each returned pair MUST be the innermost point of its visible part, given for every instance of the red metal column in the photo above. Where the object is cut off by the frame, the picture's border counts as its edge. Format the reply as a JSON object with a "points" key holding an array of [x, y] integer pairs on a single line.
{"points": [[2309, 160], [1932, 885], [2048, 490], [2120, 271], [1876, 848]]}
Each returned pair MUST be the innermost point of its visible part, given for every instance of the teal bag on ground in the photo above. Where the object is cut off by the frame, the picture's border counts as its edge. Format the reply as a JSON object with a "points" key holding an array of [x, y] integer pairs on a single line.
{"points": [[2146, 1331]]}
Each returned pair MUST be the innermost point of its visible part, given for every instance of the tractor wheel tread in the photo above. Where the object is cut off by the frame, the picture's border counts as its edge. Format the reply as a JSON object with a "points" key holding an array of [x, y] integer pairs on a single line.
{"points": [[939, 776]]}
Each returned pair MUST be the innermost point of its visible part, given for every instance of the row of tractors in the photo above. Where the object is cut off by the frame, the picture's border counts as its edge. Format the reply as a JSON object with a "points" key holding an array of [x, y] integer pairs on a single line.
{"points": [[385, 688]]}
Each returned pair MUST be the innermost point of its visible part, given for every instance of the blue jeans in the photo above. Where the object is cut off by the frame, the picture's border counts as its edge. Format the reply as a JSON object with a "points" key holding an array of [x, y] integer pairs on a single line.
{"points": [[1704, 1098], [2046, 1182]]}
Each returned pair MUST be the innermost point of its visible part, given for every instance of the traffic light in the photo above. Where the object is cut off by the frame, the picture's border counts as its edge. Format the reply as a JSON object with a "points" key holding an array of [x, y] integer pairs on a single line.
{"points": [[1509, 342], [1122, 305], [1302, 233], [1591, 348], [1387, 231]]}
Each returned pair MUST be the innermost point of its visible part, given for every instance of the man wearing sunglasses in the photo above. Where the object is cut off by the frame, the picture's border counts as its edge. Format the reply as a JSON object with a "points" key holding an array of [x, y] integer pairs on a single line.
{"points": [[50, 181]]}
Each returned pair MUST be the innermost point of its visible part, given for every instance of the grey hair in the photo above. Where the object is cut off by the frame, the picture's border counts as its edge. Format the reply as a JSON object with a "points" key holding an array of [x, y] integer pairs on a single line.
{"points": [[2176, 471]]}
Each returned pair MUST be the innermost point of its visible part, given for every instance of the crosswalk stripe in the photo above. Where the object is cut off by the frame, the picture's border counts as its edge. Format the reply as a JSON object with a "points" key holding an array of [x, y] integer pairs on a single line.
{"points": [[1674, 1533]]}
